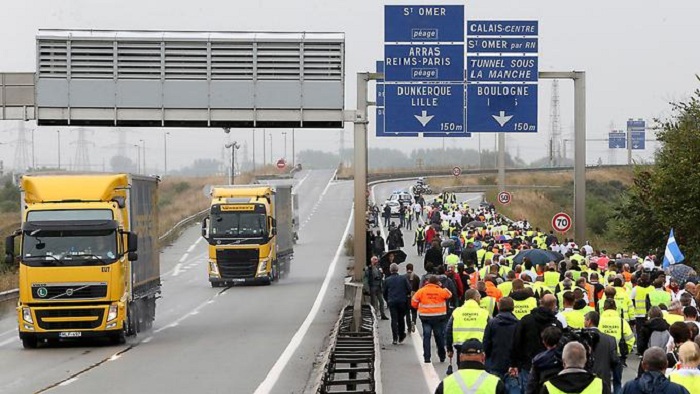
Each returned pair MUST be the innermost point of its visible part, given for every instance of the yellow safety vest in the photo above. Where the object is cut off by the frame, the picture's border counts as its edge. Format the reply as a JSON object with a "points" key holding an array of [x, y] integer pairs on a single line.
{"points": [[672, 318], [470, 381], [596, 387], [539, 287], [688, 378], [658, 297], [551, 280], [488, 304], [610, 324], [468, 322], [574, 318], [524, 307], [640, 300], [452, 259], [506, 288]]}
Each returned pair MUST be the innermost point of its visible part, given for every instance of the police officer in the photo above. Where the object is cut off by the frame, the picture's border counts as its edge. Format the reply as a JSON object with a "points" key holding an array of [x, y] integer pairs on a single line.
{"points": [[471, 376]]}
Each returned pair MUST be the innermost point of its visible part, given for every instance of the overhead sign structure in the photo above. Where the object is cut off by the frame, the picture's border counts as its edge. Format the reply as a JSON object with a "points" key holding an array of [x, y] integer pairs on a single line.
{"points": [[561, 222], [424, 71], [617, 140], [502, 75], [637, 131], [505, 197]]}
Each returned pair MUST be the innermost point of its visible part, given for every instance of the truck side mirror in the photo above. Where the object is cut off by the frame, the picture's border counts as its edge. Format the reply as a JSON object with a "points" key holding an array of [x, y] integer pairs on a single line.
{"points": [[133, 245], [10, 249], [205, 227], [133, 256]]}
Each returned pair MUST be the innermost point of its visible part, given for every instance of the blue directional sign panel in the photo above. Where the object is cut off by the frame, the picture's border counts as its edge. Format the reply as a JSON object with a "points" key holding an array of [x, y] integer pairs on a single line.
{"points": [[617, 140], [429, 23], [415, 62], [502, 28], [502, 108], [380, 95], [424, 108], [637, 140], [502, 45], [502, 69], [380, 68]]}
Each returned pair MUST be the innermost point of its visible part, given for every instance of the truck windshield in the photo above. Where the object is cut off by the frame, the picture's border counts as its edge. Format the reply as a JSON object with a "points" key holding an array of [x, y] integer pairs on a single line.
{"points": [[74, 247], [238, 225]]}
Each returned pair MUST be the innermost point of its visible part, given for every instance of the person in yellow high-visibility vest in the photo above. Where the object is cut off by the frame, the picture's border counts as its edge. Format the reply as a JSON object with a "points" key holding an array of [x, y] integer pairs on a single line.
{"points": [[639, 297], [524, 300], [507, 286], [467, 322], [574, 378], [551, 277], [574, 318], [471, 377], [688, 375], [659, 295], [614, 325]]}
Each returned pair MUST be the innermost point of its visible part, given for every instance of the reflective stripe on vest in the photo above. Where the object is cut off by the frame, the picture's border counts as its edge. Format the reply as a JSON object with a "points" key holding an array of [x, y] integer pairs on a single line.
{"points": [[468, 322], [640, 300], [481, 382], [596, 387], [488, 304], [441, 309]]}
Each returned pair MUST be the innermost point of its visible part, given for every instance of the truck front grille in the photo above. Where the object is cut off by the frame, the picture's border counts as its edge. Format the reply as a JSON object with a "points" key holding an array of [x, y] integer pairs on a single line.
{"points": [[97, 313], [237, 263], [71, 291]]}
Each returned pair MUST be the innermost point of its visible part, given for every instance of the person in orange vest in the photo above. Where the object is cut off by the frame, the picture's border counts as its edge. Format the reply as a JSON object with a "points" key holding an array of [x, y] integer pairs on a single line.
{"points": [[431, 302]]}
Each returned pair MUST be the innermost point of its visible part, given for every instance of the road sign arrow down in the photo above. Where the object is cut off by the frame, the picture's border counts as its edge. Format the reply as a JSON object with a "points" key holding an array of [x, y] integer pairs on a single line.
{"points": [[424, 118], [502, 119]]}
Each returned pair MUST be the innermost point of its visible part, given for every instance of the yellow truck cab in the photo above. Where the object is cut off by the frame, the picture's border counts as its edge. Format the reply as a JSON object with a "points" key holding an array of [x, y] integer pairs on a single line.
{"points": [[88, 259], [250, 232]]}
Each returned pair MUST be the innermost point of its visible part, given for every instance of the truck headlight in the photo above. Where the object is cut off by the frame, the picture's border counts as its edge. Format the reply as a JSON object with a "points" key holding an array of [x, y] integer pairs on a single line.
{"points": [[113, 311], [263, 265], [213, 267], [27, 315]]}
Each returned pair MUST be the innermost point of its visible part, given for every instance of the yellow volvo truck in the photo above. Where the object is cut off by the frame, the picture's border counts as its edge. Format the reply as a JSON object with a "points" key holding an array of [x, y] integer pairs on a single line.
{"points": [[250, 232], [88, 258]]}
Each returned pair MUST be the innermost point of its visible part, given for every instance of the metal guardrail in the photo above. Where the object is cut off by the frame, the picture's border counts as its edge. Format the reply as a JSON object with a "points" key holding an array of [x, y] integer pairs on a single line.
{"points": [[171, 233]]}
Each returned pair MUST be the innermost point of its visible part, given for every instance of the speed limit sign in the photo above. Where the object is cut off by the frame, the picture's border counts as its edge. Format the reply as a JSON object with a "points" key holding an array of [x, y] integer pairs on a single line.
{"points": [[561, 222], [504, 198], [456, 171]]}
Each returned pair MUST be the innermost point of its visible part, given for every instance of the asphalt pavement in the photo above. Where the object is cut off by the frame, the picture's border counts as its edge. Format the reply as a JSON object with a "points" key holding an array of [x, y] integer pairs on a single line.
{"points": [[403, 370], [209, 340]]}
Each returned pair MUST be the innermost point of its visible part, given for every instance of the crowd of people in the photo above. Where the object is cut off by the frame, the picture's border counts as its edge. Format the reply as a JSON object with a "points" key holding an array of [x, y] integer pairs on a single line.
{"points": [[519, 324]]}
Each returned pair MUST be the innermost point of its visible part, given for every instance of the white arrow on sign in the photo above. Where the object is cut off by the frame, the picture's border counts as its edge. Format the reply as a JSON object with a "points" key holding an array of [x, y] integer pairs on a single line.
{"points": [[424, 118], [502, 119], [635, 146]]}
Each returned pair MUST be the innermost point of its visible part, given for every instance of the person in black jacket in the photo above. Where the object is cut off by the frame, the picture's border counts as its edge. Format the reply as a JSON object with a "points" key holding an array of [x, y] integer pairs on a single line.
{"points": [[498, 340], [527, 343], [574, 378], [605, 350], [469, 254], [433, 255], [653, 380], [396, 291], [546, 364]]}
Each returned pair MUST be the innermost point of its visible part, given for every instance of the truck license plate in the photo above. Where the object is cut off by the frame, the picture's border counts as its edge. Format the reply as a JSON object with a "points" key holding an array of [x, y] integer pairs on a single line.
{"points": [[70, 334]]}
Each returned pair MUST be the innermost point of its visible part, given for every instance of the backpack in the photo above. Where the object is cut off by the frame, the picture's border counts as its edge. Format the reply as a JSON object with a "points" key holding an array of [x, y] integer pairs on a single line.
{"points": [[589, 340]]}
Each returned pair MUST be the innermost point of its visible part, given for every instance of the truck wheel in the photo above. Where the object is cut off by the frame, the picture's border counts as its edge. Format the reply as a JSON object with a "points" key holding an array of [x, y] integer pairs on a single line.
{"points": [[215, 284], [29, 342], [131, 320], [276, 272], [118, 338]]}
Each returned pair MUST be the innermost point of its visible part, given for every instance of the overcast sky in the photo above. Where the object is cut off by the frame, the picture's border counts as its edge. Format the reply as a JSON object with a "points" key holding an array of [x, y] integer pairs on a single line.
{"points": [[638, 56]]}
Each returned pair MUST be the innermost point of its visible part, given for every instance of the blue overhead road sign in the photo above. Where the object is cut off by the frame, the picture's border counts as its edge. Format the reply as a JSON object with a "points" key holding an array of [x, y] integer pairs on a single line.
{"points": [[617, 140], [502, 28], [424, 23], [638, 142], [405, 63], [424, 108], [502, 108], [502, 69], [502, 45]]}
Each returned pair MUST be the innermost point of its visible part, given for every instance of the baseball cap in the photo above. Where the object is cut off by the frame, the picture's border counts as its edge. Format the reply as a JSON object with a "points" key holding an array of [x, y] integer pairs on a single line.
{"points": [[472, 346]]}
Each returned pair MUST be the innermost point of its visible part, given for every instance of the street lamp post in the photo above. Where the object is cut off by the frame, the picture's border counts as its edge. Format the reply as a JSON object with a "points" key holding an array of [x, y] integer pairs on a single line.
{"points": [[234, 146], [293, 151], [284, 135], [165, 153], [59, 149], [138, 158]]}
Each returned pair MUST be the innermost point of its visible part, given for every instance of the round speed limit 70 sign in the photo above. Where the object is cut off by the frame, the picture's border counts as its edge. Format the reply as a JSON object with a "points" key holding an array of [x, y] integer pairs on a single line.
{"points": [[561, 222]]}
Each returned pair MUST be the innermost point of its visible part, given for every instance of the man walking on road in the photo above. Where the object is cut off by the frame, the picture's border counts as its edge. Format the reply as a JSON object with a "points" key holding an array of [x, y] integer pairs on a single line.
{"points": [[471, 376], [467, 322], [653, 381], [574, 379], [498, 344], [604, 351], [396, 292], [431, 302], [373, 278], [412, 314], [419, 240]]}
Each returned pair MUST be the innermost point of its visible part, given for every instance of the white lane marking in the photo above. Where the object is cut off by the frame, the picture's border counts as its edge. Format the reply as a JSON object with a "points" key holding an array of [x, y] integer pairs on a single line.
{"points": [[196, 259], [14, 330], [184, 257], [191, 313], [276, 370], [320, 198], [146, 340], [67, 382], [191, 248], [176, 271], [298, 185], [7, 342]]}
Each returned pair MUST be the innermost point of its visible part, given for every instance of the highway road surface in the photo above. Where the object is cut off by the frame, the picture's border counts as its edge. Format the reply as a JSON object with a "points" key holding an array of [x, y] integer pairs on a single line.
{"points": [[211, 340], [403, 369]]}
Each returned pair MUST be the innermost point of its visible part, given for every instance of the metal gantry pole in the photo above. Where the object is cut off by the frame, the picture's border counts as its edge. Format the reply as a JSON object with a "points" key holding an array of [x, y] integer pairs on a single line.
{"points": [[294, 163], [501, 162], [579, 78]]}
